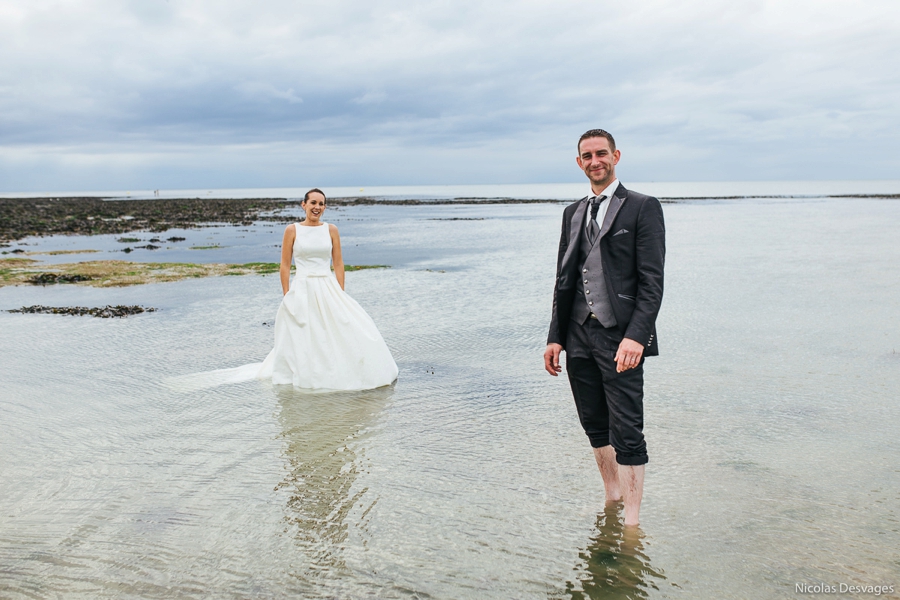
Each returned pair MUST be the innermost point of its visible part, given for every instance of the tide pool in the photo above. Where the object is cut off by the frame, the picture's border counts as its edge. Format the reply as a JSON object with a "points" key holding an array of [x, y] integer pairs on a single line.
{"points": [[770, 419]]}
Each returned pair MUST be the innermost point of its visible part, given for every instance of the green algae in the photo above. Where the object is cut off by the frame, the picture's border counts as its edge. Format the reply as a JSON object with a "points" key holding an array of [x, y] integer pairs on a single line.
{"points": [[120, 273]]}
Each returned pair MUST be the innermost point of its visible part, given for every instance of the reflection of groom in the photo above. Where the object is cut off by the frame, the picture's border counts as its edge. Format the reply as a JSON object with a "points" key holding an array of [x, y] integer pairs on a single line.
{"points": [[609, 286]]}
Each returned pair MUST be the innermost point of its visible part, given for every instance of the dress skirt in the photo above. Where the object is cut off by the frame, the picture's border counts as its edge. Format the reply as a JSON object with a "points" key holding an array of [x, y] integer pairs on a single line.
{"points": [[325, 340]]}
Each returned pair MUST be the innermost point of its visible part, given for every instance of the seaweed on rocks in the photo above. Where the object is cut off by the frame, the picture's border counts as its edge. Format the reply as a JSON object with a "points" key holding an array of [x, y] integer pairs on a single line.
{"points": [[103, 312], [52, 278]]}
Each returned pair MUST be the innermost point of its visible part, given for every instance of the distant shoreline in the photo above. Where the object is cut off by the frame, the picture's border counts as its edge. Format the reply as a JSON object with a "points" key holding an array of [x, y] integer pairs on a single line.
{"points": [[376, 200], [95, 215]]}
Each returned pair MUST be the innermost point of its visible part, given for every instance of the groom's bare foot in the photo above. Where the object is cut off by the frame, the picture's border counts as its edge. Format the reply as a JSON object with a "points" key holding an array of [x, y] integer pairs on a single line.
{"points": [[631, 478], [606, 462]]}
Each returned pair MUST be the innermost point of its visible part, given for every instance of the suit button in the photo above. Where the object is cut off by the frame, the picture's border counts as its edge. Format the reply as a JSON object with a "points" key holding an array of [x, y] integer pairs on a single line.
{"points": [[591, 303], [587, 291], [585, 281], [585, 270]]}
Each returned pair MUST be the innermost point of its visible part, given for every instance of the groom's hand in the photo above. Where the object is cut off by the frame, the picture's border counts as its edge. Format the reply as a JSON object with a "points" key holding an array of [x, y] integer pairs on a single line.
{"points": [[628, 355], [551, 359]]}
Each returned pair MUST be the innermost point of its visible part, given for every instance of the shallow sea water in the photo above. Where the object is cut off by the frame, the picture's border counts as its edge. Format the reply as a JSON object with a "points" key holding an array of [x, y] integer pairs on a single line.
{"points": [[771, 423]]}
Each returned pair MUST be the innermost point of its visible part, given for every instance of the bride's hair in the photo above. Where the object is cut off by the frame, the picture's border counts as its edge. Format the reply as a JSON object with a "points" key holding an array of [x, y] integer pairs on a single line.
{"points": [[313, 191]]}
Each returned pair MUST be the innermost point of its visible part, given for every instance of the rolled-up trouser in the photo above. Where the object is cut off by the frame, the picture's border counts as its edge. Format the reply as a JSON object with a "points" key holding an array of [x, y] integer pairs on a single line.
{"points": [[610, 405]]}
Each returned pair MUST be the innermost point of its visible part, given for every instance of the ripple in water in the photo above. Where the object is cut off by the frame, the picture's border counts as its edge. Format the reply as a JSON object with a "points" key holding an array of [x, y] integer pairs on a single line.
{"points": [[770, 421]]}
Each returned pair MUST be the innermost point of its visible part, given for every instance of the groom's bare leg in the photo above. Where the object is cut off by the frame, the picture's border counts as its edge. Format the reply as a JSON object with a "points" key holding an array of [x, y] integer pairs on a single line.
{"points": [[631, 478], [606, 460]]}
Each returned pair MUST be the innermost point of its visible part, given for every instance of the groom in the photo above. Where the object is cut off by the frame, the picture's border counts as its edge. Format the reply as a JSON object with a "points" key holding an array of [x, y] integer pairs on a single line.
{"points": [[609, 286]]}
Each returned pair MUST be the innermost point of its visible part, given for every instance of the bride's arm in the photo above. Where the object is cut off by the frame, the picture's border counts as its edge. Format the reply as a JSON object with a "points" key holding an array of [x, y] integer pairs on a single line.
{"points": [[287, 252], [337, 260]]}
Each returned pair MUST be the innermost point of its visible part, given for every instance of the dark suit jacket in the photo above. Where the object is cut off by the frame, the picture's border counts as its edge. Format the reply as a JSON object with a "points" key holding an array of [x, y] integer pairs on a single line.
{"points": [[633, 246]]}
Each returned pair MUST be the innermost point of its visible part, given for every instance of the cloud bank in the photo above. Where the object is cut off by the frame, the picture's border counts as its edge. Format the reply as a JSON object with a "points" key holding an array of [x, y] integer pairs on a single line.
{"points": [[105, 94]]}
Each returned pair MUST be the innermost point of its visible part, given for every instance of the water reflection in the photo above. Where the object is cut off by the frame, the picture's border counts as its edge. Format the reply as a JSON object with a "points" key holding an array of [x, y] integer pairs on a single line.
{"points": [[325, 444], [614, 564]]}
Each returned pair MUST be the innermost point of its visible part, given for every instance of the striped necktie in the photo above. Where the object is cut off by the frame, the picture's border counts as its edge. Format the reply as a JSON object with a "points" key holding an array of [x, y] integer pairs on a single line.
{"points": [[593, 228]]}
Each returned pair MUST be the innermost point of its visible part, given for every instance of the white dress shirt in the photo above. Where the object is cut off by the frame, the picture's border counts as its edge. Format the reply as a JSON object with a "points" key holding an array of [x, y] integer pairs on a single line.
{"points": [[601, 214]]}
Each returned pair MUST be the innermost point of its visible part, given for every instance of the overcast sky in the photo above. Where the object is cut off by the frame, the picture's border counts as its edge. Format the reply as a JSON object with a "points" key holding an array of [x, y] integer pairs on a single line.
{"points": [[126, 94]]}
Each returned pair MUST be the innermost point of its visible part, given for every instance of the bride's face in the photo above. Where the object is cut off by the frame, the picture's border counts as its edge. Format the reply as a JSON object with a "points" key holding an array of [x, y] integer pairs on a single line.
{"points": [[314, 207]]}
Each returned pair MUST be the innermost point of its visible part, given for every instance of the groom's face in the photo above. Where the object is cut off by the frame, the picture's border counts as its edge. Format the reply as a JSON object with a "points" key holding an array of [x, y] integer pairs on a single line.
{"points": [[598, 160]]}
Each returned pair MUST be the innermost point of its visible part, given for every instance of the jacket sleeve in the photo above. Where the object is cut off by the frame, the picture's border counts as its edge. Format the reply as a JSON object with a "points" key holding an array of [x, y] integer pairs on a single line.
{"points": [[650, 257], [553, 337]]}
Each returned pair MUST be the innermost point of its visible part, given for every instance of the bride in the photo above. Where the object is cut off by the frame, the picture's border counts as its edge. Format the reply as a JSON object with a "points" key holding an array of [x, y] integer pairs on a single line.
{"points": [[323, 338]]}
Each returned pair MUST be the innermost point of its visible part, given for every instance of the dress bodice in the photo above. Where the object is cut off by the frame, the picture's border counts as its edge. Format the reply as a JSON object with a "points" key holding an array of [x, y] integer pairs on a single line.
{"points": [[312, 250]]}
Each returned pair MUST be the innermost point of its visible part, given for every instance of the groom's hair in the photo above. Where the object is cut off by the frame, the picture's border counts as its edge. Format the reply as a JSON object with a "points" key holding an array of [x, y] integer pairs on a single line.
{"points": [[592, 133], [313, 191]]}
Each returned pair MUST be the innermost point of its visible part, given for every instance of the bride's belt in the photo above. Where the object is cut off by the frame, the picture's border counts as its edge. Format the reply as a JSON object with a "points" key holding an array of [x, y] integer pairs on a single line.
{"points": [[305, 274]]}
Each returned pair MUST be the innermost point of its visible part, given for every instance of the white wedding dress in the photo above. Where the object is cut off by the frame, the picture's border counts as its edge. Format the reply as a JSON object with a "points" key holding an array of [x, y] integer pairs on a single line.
{"points": [[323, 337], [324, 340]]}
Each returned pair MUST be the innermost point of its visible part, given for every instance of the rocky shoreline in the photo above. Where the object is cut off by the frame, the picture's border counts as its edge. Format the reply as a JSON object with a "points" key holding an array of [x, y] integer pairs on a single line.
{"points": [[92, 215], [24, 217]]}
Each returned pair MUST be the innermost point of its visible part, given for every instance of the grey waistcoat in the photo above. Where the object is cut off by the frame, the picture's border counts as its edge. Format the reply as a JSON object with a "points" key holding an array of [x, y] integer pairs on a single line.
{"points": [[592, 294]]}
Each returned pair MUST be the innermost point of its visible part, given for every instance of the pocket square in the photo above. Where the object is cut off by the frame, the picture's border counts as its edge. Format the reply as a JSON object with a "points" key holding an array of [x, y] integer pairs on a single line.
{"points": [[620, 232]]}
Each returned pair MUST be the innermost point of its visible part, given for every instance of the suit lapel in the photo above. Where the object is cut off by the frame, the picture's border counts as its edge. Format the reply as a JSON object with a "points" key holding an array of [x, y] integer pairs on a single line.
{"points": [[575, 231], [615, 203]]}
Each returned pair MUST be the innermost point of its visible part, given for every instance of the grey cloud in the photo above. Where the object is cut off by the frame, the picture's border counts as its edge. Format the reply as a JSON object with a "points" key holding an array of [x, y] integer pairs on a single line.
{"points": [[491, 91]]}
